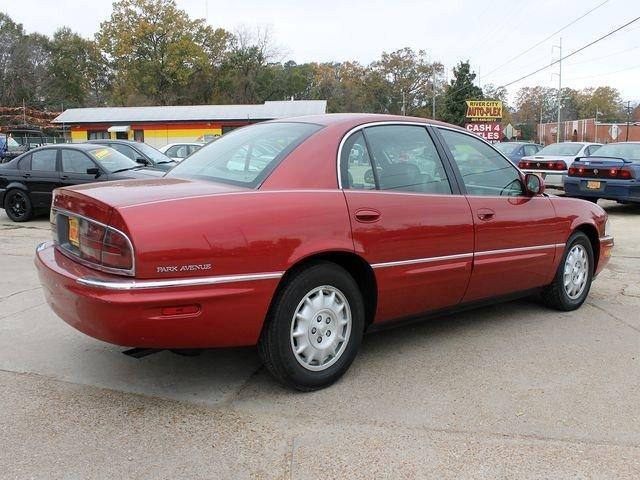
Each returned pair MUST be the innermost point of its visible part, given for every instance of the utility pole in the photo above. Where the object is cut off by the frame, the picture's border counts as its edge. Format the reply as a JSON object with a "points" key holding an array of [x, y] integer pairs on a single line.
{"points": [[559, 46], [540, 134], [404, 111], [628, 118], [595, 124], [433, 92]]}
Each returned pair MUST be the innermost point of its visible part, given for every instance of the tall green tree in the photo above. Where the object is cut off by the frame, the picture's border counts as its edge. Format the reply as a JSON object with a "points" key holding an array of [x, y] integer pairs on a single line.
{"points": [[412, 80], [460, 89], [155, 49]]}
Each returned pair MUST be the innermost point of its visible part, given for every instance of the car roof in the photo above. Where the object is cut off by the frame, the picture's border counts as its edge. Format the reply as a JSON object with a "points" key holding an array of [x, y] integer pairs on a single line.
{"points": [[109, 140], [355, 119]]}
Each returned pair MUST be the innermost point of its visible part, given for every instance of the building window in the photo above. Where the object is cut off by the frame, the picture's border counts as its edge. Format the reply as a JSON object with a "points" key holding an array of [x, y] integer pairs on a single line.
{"points": [[138, 135], [98, 135]]}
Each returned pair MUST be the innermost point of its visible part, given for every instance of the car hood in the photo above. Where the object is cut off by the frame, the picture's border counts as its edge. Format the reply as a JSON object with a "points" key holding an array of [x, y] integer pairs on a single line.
{"points": [[122, 193], [137, 173]]}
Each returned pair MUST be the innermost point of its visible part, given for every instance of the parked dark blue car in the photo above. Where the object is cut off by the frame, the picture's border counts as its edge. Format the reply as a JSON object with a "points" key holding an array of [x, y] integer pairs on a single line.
{"points": [[612, 173], [514, 151]]}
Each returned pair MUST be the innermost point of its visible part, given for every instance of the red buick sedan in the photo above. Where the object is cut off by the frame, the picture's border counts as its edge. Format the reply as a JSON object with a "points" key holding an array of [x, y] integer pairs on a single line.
{"points": [[300, 235]]}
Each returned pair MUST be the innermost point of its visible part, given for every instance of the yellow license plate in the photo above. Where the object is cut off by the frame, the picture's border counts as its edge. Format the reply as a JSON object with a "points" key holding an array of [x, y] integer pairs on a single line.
{"points": [[593, 185], [73, 232]]}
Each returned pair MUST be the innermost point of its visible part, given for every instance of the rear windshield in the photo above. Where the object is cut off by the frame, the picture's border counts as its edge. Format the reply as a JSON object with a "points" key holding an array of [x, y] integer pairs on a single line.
{"points": [[507, 147], [628, 151], [567, 149], [246, 156]]}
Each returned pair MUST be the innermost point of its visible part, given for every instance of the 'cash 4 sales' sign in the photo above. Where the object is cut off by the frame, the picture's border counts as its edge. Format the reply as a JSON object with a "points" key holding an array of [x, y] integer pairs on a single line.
{"points": [[490, 131]]}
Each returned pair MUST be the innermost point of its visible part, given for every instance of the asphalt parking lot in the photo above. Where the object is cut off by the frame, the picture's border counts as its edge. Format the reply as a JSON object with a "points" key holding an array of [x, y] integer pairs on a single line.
{"points": [[508, 391]]}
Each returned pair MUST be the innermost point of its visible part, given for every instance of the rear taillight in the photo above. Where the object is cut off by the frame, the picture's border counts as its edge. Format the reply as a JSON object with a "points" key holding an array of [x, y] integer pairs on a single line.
{"points": [[97, 245], [555, 165], [116, 251], [624, 173]]}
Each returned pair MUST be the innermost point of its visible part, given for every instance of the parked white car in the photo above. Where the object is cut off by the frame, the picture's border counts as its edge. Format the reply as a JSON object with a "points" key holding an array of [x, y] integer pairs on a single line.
{"points": [[553, 161], [179, 151]]}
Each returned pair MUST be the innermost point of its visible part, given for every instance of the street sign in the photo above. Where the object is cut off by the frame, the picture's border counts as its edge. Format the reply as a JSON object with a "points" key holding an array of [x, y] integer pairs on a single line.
{"points": [[614, 131], [509, 131]]}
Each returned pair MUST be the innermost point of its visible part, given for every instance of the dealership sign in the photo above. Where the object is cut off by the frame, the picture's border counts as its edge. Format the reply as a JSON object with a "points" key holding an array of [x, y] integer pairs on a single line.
{"points": [[490, 131], [484, 110]]}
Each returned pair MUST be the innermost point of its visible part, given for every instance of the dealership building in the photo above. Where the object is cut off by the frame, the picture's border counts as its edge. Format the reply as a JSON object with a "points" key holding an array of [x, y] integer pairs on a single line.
{"points": [[159, 125]]}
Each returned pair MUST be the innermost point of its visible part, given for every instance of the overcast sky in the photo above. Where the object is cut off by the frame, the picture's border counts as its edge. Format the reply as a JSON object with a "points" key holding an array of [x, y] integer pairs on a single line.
{"points": [[488, 33]]}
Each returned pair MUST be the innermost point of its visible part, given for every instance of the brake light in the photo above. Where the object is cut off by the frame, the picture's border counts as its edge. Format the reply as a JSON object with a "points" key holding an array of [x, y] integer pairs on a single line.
{"points": [[524, 164], [100, 246], [559, 165], [626, 173], [116, 252]]}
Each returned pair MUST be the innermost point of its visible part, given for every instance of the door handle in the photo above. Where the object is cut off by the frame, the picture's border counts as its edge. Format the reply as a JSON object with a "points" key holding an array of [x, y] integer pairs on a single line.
{"points": [[26, 175], [367, 215], [485, 214], [64, 177]]}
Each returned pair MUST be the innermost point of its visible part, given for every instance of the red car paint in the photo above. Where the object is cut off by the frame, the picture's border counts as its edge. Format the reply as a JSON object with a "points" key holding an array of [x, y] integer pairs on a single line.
{"points": [[426, 251]]}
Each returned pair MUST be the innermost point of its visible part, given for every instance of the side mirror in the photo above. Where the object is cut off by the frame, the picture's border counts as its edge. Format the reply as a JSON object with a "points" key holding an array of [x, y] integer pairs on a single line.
{"points": [[142, 161], [533, 184], [93, 171]]}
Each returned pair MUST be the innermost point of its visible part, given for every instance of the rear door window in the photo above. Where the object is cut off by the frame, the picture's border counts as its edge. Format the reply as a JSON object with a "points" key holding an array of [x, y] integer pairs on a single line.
{"points": [[357, 171], [406, 159], [44, 160]]}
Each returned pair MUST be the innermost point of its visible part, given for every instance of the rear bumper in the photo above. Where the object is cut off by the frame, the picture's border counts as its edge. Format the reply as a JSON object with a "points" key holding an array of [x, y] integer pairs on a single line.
{"points": [[619, 190], [555, 179], [231, 312]]}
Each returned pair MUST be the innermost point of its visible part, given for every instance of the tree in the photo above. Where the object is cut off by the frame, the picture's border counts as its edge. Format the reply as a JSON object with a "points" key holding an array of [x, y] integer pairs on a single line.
{"points": [[605, 100], [460, 89], [411, 80], [155, 49]]}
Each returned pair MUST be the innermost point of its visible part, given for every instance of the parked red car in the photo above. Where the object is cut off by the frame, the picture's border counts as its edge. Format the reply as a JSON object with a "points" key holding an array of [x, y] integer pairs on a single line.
{"points": [[300, 235]]}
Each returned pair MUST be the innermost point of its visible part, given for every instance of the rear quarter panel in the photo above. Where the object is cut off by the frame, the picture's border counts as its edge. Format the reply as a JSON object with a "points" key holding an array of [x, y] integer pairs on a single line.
{"points": [[236, 233]]}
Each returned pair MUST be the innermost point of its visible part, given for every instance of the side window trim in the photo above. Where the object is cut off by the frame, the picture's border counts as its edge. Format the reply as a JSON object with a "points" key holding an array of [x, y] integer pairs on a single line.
{"points": [[372, 160], [457, 188]]}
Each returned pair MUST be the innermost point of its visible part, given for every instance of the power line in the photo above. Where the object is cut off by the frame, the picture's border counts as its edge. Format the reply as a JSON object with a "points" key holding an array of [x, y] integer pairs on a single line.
{"points": [[545, 39], [573, 53], [604, 74], [605, 56]]}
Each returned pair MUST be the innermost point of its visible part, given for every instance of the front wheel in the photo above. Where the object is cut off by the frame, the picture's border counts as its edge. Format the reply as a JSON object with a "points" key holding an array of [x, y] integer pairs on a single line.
{"points": [[572, 282], [314, 328], [18, 206]]}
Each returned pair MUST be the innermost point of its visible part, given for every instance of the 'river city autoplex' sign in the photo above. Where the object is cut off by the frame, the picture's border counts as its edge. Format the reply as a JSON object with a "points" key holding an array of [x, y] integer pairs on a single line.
{"points": [[484, 110]]}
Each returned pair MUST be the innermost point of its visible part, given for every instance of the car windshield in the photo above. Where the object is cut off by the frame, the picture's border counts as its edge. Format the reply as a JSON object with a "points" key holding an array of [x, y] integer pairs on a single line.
{"points": [[111, 160], [155, 155], [628, 151], [507, 148], [11, 143], [566, 149], [246, 156]]}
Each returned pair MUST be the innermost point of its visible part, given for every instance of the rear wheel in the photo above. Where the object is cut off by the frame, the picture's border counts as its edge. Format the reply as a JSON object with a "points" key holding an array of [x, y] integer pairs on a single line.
{"points": [[314, 328], [572, 282], [18, 206]]}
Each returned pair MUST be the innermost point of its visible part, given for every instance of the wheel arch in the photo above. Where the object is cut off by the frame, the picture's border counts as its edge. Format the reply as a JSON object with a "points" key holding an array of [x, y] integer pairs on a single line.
{"points": [[16, 186], [354, 264], [592, 234]]}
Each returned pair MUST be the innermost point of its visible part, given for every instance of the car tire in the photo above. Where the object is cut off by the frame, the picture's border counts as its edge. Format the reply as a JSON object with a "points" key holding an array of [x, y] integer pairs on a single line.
{"points": [[313, 304], [17, 205], [590, 199], [572, 281]]}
